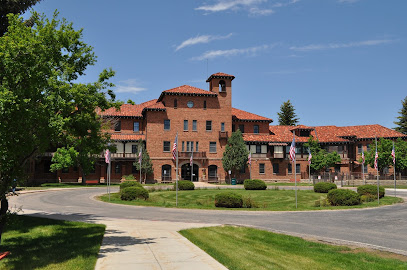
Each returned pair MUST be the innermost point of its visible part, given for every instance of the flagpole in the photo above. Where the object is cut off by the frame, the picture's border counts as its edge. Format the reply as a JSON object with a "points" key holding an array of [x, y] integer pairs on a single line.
{"points": [[394, 173], [176, 179], [192, 166], [363, 173], [295, 181], [140, 158], [108, 177], [377, 174]]}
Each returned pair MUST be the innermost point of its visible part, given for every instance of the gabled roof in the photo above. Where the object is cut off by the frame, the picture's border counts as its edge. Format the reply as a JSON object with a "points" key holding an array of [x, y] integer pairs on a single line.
{"points": [[370, 132], [302, 127], [240, 115], [187, 90], [221, 76], [128, 110]]}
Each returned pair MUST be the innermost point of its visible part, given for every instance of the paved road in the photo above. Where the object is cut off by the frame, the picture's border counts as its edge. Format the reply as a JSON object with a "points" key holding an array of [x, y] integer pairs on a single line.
{"points": [[383, 227]]}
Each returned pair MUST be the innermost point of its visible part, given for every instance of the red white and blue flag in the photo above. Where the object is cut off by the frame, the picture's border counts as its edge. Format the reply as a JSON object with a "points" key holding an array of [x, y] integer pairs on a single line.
{"points": [[393, 154], [309, 156], [363, 157], [140, 155], [191, 159], [376, 157], [107, 156], [292, 150], [249, 158], [174, 148]]}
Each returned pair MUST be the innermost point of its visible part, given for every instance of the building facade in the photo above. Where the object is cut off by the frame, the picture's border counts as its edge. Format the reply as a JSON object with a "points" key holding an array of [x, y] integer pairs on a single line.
{"points": [[203, 121]]}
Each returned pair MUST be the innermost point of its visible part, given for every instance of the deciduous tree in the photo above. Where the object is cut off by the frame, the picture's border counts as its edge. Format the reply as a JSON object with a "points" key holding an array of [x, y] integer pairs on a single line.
{"points": [[146, 165], [321, 159], [236, 154]]}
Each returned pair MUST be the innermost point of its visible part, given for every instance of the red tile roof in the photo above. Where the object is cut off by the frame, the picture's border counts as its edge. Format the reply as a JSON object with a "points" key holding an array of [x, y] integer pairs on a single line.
{"points": [[220, 75], [370, 131], [188, 91], [128, 110], [284, 134], [302, 127], [243, 115], [257, 137], [128, 137]]}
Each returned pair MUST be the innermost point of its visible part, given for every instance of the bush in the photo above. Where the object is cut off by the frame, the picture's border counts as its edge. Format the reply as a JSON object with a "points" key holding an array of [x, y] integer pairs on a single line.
{"points": [[248, 202], [133, 193], [324, 187], [184, 185], [129, 177], [229, 200], [370, 190], [254, 184], [368, 198], [338, 197], [126, 184]]}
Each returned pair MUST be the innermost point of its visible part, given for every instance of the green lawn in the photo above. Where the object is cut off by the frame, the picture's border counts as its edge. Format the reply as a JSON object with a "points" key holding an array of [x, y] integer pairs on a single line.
{"points": [[269, 200], [240, 248], [40, 243]]}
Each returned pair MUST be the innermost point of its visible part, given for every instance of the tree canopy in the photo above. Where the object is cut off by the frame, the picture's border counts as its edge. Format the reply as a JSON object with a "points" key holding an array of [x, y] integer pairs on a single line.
{"points": [[42, 106], [321, 159], [402, 119], [236, 154], [287, 115], [146, 165], [15, 7]]}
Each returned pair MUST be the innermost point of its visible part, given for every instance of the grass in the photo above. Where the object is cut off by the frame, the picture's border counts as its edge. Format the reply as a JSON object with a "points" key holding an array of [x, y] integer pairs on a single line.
{"points": [[268, 200], [240, 248], [271, 184], [40, 243]]}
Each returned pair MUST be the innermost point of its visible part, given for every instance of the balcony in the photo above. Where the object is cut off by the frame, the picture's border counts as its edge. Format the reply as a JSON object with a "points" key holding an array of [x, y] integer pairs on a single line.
{"points": [[195, 155], [278, 155], [259, 155], [124, 155], [223, 135]]}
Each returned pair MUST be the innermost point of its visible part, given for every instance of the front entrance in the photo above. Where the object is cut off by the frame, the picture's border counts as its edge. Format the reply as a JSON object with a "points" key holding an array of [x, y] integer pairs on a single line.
{"points": [[186, 172]]}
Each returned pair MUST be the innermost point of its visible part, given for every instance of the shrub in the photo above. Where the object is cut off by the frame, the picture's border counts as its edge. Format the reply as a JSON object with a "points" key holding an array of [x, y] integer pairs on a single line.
{"points": [[184, 185], [129, 177], [254, 184], [133, 193], [126, 184], [338, 197], [248, 202], [229, 200], [370, 190], [368, 198], [324, 187]]}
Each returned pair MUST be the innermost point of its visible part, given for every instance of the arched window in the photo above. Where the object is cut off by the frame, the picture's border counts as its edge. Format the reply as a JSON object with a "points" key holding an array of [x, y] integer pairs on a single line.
{"points": [[213, 172], [222, 86], [166, 173], [175, 103]]}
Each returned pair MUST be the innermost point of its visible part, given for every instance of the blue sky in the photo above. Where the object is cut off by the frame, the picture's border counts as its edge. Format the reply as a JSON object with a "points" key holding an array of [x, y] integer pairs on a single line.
{"points": [[340, 62]]}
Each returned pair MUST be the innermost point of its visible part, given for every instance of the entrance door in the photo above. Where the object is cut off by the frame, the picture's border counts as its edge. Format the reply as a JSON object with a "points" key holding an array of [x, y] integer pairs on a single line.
{"points": [[186, 172]]}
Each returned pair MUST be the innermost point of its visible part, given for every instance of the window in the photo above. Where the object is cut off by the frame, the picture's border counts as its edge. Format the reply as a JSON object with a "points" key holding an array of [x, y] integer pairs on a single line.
{"points": [[261, 168], [213, 172], [278, 149], [337, 169], [298, 168], [183, 146], [136, 126], [212, 147], [304, 133], [290, 168], [166, 172], [166, 147], [190, 104], [175, 103], [276, 168], [197, 147], [222, 127], [190, 146], [204, 105], [258, 149], [167, 124], [117, 168], [133, 168], [185, 125], [222, 86], [194, 125], [233, 128], [368, 147], [241, 127], [365, 168], [256, 129], [360, 149], [65, 170], [243, 169], [208, 125], [134, 148], [117, 126]]}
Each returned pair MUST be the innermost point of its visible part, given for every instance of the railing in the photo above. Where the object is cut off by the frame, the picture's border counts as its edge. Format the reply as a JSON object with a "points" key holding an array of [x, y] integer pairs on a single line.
{"points": [[188, 154], [124, 155], [278, 155], [223, 135], [259, 155]]}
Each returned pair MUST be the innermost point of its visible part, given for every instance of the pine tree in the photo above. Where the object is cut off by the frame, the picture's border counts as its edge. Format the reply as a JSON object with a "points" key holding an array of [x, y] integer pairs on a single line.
{"points": [[14, 6], [402, 123], [287, 116], [236, 154]]}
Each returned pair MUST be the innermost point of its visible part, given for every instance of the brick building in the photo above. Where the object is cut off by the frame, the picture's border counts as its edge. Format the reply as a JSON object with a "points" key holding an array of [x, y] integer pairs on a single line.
{"points": [[203, 121]]}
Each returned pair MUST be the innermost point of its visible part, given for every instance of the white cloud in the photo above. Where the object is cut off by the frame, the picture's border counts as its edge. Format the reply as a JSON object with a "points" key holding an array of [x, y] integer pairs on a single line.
{"points": [[200, 39], [129, 86], [231, 52], [261, 12], [316, 47], [223, 5]]}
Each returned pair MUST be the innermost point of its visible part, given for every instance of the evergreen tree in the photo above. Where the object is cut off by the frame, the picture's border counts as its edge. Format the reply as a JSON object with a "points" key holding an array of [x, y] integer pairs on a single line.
{"points": [[15, 7], [321, 159], [287, 116], [402, 123], [236, 154], [146, 165]]}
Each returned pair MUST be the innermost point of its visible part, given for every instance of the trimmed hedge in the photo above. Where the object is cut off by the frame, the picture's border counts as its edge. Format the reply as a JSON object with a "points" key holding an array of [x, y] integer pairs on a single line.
{"points": [[340, 197], [134, 193], [254, 184], [371, 190], [126, 184], [184, 185], [229, 200], [324, 187]]}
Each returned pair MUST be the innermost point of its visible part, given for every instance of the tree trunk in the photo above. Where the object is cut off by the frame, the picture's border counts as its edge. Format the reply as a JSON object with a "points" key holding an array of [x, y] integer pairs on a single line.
{"points": [[3, 215]]}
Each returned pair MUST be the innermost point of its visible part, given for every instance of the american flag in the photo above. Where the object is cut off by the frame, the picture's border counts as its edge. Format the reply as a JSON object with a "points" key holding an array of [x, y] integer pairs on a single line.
{"points": [[174, 148], [140, 155], [292, 150], [376, 157], [393, 154], [309, 156], [191, 159], [249, 158], [107, 156], [363, 157]]}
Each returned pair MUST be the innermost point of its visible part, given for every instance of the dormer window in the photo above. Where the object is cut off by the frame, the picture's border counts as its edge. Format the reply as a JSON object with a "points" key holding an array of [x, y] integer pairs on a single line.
{"points": [[222, 86]]}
